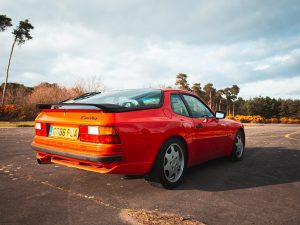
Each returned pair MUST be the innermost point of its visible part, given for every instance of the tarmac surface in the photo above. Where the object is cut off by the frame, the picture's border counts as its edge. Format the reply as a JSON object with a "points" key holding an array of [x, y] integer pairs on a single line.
{"points": [[264, 188]]}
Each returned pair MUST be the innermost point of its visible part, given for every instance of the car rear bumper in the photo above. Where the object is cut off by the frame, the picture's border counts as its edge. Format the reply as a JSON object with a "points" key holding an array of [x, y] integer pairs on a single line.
{"points": [[114, 163], [99, 159]]}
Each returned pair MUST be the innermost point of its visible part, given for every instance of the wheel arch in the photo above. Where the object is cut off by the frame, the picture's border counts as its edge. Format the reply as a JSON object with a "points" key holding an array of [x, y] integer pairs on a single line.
{"points": [[244, 135], [179, 137], [185, 145]]}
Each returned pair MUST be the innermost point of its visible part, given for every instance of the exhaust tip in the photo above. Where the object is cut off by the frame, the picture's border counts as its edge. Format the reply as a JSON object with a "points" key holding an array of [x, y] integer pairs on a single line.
{"points": [[43, 161]]}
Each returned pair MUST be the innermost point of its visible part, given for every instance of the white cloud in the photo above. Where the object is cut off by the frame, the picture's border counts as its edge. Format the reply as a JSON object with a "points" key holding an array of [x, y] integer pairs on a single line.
{"points": [[132, 44], [284, 88], [261, 67]]}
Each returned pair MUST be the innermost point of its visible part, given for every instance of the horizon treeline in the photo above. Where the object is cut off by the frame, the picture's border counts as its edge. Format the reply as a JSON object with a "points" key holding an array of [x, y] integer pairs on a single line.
{"points": [[21, 100], [227, 100]]}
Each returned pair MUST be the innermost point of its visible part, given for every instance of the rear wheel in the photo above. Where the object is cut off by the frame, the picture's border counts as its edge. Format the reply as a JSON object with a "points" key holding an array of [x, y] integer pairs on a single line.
{"points": [[170, 165], [238, 146]]}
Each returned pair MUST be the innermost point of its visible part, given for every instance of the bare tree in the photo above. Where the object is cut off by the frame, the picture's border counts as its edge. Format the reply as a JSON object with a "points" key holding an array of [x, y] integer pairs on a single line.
{"points": [[50, 93], [89, 84], [21, 34]]}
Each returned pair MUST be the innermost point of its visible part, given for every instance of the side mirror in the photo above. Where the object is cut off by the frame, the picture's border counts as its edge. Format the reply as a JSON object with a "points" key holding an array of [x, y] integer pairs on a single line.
{"points": [[220, 114]]}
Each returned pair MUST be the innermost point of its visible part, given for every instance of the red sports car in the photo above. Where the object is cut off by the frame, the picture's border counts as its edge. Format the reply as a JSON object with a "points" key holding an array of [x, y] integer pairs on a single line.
{"points": [[153, 132]]}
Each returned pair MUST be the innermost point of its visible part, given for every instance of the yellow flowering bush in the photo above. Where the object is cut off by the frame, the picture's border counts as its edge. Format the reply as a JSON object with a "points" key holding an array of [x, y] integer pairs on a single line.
{"points": [[260, 119]]}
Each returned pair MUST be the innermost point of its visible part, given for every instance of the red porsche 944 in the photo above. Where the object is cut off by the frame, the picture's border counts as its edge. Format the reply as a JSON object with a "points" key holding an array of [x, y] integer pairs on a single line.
{"points": [[152, 132]]}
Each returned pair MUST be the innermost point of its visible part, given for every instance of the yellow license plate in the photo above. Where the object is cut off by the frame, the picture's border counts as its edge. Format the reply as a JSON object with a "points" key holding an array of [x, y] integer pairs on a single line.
{"points": [[66, 132]]}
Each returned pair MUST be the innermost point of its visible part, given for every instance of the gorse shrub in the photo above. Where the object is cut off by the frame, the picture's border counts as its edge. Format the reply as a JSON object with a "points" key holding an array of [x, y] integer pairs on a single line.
{"points": [[260, 119]]}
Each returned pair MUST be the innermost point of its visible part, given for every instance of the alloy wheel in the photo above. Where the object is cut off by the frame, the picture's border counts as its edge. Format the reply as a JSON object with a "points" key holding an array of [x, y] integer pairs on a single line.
{"points": [[239, 146], [173, 163]]}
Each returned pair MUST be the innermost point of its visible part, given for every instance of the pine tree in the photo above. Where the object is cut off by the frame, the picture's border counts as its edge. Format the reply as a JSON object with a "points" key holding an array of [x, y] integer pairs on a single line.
{"points": [[181, 82], [21, 34]]}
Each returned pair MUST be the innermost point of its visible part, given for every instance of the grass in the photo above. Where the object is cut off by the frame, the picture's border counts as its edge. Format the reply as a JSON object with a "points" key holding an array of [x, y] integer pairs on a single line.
{"points": [[17, 124], [141, 216]]}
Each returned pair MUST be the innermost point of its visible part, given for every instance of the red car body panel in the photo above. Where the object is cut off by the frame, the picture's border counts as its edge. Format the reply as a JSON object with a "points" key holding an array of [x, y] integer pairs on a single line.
{"points": [[142, 133]]}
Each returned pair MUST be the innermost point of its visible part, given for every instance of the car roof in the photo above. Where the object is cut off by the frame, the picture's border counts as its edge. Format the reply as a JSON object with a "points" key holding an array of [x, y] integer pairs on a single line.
{"points": [[165, 90], [177, 90], [183, 92]]}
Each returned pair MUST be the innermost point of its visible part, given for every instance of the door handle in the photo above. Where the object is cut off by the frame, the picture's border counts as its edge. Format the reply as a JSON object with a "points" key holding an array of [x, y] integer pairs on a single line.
{"points": [[199, 125]]}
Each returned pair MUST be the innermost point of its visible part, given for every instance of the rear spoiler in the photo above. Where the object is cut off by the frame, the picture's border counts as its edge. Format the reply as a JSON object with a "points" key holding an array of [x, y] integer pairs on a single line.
{"points": [[105, 107]]}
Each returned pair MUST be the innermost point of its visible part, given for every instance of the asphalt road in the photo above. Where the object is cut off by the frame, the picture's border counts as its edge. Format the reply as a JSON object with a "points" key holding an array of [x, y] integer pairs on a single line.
{"points": [[264, 188]]}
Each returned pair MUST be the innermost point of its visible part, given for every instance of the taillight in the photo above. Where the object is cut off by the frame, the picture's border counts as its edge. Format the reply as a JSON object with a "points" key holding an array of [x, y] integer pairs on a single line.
{"points": [[41, 129], [99, 134]]}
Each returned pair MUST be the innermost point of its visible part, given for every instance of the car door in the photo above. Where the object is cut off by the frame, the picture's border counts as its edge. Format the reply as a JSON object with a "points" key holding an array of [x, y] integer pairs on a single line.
{"points": [[210, 132], [184, 116]]}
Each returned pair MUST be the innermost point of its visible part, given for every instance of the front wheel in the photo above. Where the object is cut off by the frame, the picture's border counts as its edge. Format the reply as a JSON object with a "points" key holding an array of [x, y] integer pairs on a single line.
{"points": [[238, 146], [170, 165]]}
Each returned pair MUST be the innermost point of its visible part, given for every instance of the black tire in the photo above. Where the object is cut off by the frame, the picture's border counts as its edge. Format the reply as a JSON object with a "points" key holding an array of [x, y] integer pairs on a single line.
{"points": [[170, 164], [238, 147]]}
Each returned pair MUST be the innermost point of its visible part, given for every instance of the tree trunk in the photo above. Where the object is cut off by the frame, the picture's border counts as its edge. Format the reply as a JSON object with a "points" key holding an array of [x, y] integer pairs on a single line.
{"points": [[7, 72], [210, 99], [220, 105], [233, 109], [227, 109]]}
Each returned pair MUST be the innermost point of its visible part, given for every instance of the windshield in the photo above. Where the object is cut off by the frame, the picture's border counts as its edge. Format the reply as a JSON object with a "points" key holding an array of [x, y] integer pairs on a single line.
{"points": [[135, 99]]}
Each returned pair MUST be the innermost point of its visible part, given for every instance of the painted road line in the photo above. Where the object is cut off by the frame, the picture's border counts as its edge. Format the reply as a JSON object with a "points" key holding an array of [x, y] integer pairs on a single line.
{"points": [[289, 136]]}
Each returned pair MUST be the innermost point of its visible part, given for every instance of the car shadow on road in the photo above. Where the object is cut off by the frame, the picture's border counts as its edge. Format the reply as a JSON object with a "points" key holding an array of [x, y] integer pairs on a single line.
{"points": [[259, 167]]}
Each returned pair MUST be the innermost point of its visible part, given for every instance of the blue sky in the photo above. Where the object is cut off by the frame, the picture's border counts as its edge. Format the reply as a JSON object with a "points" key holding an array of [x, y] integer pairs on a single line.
{"points": [[132, 43]]}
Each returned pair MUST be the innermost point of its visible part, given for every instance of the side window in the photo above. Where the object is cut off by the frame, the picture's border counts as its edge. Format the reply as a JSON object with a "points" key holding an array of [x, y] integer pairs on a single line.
{"points": [[178, 105], [197, 107]]}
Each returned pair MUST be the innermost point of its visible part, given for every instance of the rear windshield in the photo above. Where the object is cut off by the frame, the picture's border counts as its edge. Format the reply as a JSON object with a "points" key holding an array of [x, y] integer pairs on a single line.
{"points": [[131, 99]]}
